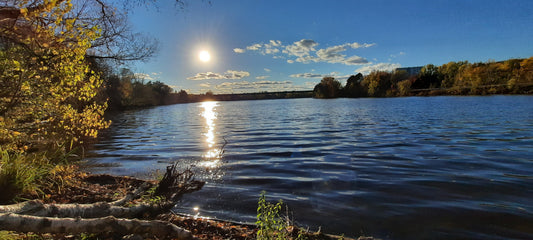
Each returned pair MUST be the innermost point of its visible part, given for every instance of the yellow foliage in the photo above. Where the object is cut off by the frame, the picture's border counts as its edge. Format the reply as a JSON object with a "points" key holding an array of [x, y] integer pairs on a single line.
{"points": [[50, 95]]}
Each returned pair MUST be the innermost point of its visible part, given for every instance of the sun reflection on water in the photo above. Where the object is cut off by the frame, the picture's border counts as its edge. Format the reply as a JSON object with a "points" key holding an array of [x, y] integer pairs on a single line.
{"points": [[213, 154]]}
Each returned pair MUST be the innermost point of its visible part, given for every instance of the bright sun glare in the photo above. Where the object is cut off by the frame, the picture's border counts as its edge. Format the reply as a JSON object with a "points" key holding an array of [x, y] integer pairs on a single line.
{"points": [[204, 56]]}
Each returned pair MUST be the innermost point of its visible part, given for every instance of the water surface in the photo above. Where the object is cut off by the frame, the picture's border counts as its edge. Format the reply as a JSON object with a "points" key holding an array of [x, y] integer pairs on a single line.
{"points": [[394, 168]]}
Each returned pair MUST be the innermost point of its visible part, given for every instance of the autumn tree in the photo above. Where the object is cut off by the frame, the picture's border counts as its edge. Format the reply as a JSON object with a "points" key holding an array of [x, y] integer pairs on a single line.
{"points": [[449, 73], [353, 86], [327, 88], [404, 87], [377, 83], [429, 77], [47, 86]]}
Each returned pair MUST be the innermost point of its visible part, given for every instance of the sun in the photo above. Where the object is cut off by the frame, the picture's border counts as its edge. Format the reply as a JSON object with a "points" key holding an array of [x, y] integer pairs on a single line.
{"points": [[204, 56]]}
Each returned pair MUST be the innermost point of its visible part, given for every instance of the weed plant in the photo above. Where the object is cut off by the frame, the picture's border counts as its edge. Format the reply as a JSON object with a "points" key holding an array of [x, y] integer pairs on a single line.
{"points": [[270, 224]]}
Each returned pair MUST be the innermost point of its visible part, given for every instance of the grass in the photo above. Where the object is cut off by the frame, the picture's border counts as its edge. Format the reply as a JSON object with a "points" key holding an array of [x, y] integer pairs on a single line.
{"points": [[28, 173], [21, 174]]}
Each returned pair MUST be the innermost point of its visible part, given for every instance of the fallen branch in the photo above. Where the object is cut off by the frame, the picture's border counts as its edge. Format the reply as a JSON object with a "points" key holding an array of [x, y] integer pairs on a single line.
{"points": [[175, 183], [132, 196], [94, 210], [25, 223]]}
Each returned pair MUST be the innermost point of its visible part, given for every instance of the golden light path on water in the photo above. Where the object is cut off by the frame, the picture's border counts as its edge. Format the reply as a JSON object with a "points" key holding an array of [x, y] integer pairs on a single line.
{"points": [[213, 154]]}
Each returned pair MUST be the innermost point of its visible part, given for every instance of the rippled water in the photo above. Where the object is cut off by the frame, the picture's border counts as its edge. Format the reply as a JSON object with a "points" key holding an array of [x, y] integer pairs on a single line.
{"points": [[394, 168]]}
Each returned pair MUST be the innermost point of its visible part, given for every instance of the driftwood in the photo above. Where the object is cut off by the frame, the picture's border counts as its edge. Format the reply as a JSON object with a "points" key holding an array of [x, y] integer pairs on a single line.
{"points": [[25, 223], [105, 217], [174, 184], [94, 210]]}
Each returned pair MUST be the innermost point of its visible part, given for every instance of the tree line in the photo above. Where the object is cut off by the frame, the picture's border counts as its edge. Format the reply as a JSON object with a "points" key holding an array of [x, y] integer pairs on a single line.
{"points": [[125, 90], [513, 76]]}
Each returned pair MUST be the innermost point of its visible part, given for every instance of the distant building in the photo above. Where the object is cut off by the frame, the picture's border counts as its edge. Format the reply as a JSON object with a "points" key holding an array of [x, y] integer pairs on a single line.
{"points": [[410, 70]]}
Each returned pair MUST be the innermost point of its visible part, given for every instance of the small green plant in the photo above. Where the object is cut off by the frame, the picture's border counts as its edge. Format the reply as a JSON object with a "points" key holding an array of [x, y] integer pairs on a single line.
{"points": [[269, 221], [152, 198], [88, 236], [7, 235]]}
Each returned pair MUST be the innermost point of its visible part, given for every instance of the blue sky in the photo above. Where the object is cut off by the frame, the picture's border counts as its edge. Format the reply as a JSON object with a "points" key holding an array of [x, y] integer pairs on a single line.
{"points": [[276, 45]]}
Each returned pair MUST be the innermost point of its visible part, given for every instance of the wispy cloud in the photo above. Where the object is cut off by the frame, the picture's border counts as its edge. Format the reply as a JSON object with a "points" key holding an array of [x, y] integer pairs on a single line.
{"points": [[262, 77], [378, 67], [259, 86], [397, 55], [267, 70], [230, 74], [148, 76], [307, 75], [316, 75], [305, 51]]}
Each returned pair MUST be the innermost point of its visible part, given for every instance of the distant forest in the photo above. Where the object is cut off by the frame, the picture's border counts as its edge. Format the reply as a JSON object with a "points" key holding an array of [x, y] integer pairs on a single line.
{"points": [[124, 90], [513, 76]]}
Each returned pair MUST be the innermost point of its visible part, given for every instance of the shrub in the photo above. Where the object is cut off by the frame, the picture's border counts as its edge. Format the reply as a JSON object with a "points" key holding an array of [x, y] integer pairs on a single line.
{"points": [[269, 221]]}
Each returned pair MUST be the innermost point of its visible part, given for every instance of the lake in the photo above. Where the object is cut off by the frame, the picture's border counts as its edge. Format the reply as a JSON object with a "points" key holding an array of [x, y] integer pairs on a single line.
{"points": [[393, 168]]}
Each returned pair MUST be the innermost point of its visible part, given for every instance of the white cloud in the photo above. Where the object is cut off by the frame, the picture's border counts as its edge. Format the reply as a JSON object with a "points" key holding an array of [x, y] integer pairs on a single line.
{"points": [[316, 75], [355, 60], [272, 82], [259, 86], [305, 51], [267, 70], [254, 47], [262, 77], [307, 75], [239, 50], [378, 67], [204, 85], [275, 43], [230, 74], [356, 45], [270, 48], [271, 51], [300, 48], [334, 55]]}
